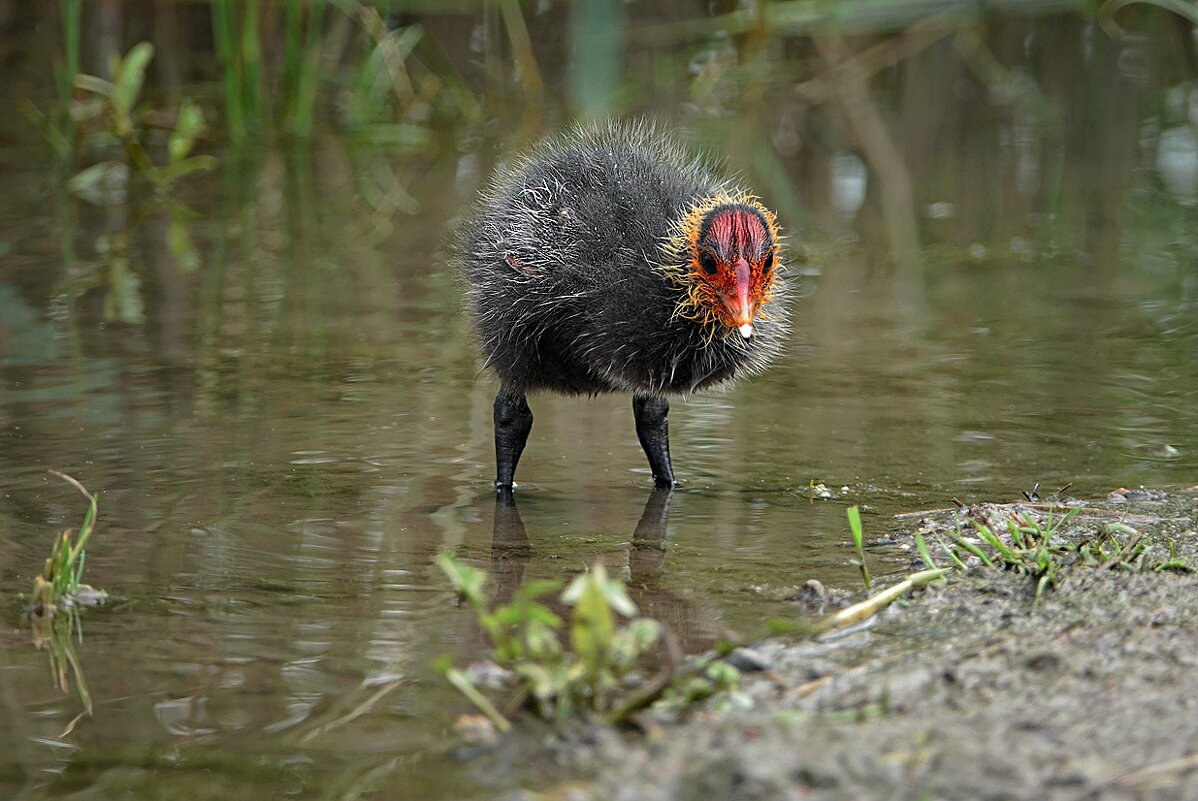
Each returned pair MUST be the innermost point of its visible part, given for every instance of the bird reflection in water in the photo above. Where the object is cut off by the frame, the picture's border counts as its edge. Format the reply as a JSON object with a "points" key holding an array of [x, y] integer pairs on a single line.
{"points": [[511, 552]]}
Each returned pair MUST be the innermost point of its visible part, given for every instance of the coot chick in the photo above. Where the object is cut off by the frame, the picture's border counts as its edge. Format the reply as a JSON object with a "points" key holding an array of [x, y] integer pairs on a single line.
{"points": [[610, 260]]}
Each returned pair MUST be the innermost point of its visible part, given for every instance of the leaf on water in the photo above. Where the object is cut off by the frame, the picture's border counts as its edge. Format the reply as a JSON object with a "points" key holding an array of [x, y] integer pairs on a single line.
{"points": [[87, 595]]}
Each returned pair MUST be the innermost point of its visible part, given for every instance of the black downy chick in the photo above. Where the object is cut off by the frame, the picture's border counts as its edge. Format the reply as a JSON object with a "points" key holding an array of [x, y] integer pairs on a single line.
{"points": [[610, 260]]}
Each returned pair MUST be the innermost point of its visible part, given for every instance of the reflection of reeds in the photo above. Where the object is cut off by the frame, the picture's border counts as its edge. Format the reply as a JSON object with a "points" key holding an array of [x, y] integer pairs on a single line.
{"points": [[56, 634]]}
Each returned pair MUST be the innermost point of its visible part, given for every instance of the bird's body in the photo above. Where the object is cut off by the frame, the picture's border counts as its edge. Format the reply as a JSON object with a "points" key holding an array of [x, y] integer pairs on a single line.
{"points": [[611, 261]]}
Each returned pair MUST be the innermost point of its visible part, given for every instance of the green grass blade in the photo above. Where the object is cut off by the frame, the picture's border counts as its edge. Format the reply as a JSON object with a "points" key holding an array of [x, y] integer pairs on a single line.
{"points": [[72, 12], [952, 554], [251, 64], [304, 100], [921, 546], [1009, 556], [961, 542], [854, 515]]}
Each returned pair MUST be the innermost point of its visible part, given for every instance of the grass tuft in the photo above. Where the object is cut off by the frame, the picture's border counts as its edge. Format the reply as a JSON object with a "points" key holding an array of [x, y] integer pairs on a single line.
{"points": [[57, 595], [1038, 548], [60, 583]]}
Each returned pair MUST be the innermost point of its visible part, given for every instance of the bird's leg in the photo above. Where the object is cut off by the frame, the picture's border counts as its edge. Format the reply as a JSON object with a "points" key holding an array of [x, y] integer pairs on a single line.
{"points": [[653, 431], [513, 421]]}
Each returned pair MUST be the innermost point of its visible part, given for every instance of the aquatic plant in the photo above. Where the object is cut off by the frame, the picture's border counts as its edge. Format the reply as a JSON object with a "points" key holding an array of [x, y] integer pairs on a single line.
{"points": [[112, 115], [58, 593], [122, 119], [60, 586], [556, 681]]}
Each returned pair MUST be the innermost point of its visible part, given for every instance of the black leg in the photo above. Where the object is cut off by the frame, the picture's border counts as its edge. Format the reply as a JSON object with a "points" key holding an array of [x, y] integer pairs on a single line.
{"points": [[654, 433], [513, 421]]}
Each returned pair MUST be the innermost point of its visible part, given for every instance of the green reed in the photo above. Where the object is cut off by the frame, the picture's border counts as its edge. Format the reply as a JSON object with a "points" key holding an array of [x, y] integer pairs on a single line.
{"points": [[72, 13], [854, 515], [236, 33], [301, 64]]}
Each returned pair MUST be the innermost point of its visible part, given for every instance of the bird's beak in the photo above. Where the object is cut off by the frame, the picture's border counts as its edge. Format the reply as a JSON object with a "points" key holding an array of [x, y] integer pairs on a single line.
{"points": [[740, 302]]}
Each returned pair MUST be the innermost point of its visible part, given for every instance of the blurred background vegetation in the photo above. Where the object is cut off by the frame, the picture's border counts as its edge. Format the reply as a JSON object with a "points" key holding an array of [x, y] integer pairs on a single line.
{"points": [[817, 101]]}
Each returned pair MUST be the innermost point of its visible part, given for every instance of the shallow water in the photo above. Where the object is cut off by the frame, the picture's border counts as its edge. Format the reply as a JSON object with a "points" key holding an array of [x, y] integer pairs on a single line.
{"points": [[285, 435]]}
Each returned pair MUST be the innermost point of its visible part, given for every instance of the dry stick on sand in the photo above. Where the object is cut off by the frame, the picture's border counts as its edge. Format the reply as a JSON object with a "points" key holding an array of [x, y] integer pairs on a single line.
{"points": [[876, 603]]}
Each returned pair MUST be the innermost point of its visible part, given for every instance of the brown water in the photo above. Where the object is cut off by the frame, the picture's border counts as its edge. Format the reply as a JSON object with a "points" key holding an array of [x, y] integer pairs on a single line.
{"points": [[285, 435]]}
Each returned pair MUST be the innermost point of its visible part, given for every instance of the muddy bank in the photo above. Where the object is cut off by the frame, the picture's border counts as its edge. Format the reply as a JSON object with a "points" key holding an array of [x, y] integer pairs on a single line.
{"points": [[971, 690]]}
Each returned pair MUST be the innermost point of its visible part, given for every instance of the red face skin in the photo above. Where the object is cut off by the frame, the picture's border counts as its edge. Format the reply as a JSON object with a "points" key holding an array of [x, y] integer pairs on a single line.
{"points": [[733, 260]]}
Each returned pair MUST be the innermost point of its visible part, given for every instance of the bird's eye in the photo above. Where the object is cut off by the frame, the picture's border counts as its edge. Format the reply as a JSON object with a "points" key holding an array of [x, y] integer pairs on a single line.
{"points": [[707, 262], [767, 263]]}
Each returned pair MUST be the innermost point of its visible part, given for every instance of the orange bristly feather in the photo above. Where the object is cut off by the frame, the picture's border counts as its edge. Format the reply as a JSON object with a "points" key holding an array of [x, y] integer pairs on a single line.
{"points": [[680, 249]]}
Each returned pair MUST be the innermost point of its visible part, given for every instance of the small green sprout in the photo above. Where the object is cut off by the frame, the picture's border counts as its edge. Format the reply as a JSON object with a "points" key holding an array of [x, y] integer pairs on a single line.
{"points": [[854, 514]]}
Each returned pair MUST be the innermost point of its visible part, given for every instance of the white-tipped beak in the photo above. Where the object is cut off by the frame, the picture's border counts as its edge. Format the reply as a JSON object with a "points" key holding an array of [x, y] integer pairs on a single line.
{"points": [[746, 330]]}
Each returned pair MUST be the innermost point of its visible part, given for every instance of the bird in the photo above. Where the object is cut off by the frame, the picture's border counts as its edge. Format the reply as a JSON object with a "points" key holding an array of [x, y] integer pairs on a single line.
{"points": [[612, 259]]}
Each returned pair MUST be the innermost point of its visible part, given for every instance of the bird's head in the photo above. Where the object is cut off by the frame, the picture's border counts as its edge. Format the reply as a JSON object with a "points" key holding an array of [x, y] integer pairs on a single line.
{"points": [[728, 249]]}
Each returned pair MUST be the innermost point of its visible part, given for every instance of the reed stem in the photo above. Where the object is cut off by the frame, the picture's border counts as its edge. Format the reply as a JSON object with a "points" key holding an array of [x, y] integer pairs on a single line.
{"points": [[223, 33], [72, 12]]}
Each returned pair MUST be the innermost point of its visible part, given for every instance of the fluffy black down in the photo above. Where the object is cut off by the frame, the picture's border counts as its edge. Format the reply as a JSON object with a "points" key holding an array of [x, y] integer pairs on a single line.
{"points": [[564, 262]]}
